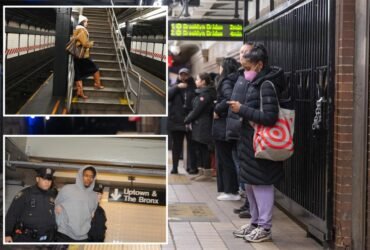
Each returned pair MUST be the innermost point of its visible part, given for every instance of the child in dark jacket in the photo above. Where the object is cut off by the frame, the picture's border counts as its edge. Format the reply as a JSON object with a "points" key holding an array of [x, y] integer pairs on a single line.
{"points": [[200, 119], [98, 228]]}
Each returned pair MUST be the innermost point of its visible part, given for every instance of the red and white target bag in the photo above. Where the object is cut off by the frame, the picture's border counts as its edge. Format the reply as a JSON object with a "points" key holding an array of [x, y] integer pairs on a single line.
{"points": [[275, 143]]}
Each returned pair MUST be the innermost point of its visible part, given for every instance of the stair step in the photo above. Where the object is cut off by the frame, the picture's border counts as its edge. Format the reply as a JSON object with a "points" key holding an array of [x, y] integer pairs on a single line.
{"points": [[113, 82], [100, 11], [107, 92], [102, 32], [102, 40], [98, 53], [95, 14], [106, 89], [94, 35], [110, 69], [112, 64], [100, 105], [108, 72], [102, 56], [103, 20], [95, 25], [107, 63], [99, 29]]}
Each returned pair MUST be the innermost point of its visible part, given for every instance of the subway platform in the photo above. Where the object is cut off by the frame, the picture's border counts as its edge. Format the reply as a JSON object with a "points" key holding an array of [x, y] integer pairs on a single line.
{"points": [[197, 220]]}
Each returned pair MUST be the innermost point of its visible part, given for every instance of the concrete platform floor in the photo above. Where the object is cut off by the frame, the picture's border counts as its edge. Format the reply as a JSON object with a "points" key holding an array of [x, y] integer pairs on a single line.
{"points": [[217, 234]]}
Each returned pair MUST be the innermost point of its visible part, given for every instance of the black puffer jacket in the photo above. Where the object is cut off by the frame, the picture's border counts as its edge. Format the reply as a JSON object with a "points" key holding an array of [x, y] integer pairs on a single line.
{"points": [[179, 105], [201, 115], [258, 171], [224, 92], [234, 121], [98, 228]]}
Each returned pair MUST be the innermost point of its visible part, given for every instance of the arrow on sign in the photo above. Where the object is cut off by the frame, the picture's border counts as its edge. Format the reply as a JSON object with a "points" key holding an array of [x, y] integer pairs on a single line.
{"points": [[115, 195]]}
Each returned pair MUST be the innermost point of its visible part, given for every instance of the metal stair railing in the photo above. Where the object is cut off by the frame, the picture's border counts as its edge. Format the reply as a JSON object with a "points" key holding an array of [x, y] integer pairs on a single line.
{"points": [[71, 76], [125, 67]]}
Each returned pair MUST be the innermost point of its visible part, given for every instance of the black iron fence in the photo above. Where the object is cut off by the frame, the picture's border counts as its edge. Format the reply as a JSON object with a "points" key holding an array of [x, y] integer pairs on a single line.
{"points": [[300, 41]]}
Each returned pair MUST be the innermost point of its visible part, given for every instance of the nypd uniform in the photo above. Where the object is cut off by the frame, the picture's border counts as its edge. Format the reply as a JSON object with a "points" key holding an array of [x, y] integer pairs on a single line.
{"points": [[31, 216]]}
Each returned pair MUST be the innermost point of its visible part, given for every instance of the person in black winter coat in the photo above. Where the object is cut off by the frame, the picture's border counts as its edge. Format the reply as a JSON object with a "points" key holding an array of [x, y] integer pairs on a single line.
{"points": [[227, 181], [180, 97], [260, 175], [98, 228], [200, 119], [233, 122]]}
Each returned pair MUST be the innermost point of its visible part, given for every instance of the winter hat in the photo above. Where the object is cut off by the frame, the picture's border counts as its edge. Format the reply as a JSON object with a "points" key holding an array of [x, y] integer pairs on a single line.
{"points": [[81, 18]]}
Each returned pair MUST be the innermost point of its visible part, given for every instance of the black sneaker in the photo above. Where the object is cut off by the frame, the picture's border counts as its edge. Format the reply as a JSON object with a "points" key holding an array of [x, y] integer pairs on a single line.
{"points": [[245, 214], [239, 210], [193, 171], [174, 171]]}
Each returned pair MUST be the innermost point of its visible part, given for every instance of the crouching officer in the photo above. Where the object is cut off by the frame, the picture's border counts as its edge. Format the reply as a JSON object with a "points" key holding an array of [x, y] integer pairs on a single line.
{"points": [[31, 217]]}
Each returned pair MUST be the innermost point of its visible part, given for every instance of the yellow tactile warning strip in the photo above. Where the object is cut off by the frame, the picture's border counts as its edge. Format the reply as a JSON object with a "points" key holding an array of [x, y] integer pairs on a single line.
{"points": [[123, 101], [174, 179], [199, 212], [75, 99]]}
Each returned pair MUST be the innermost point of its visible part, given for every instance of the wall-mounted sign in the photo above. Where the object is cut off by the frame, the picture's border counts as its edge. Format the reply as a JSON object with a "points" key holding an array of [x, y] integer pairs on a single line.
{"points": [[225, 30], [147, 196]]}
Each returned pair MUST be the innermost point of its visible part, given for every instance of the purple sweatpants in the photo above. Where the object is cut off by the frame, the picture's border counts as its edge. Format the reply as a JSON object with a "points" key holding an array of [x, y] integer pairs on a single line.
{"points": [[261, 203]]}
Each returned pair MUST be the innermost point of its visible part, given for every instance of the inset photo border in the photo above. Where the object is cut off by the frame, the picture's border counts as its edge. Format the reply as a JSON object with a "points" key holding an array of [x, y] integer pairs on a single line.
{"points": [[85, 60], [85, 189]]}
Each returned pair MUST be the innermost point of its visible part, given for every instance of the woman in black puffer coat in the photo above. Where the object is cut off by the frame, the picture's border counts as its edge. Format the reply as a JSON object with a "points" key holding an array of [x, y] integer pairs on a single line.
{"points": [[200, 119], [260, 175], [227, 181]]}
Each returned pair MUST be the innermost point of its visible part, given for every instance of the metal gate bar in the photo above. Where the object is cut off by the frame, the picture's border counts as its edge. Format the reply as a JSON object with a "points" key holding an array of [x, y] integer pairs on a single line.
{"points": [[300, 41]]}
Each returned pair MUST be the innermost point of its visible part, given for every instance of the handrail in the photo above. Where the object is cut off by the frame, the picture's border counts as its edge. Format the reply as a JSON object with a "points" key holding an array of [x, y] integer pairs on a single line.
{"points": [[125, 67], [71, 76]]}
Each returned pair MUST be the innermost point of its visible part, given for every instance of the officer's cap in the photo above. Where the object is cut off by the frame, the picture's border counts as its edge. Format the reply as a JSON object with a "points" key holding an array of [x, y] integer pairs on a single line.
{"points": [[98, 188], [45, 173], [184, 70]]}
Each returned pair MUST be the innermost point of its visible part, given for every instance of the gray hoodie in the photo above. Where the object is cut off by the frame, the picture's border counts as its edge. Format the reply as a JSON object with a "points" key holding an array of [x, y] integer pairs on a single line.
{"points": [[78, 205]]}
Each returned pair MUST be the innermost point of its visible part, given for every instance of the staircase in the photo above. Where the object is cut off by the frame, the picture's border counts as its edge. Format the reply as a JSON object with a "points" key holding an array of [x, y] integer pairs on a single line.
{"points": [[112, 99]]}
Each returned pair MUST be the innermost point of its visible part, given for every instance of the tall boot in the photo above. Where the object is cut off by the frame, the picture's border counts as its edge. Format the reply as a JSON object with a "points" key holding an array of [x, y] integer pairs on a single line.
{"points": [[207, 175], [200, 173]]}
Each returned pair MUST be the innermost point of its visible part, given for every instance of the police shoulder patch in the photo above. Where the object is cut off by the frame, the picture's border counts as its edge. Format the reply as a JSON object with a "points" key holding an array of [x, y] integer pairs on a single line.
{"points": [[19, 195]]}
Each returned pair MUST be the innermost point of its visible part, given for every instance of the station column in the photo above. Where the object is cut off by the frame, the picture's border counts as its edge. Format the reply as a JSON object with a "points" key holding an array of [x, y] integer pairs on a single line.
{"points": [[63, 29]]}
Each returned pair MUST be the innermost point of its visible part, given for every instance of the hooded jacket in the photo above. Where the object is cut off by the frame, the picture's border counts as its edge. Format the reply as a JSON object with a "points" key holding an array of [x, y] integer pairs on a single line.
{"points": [[78, 205]]}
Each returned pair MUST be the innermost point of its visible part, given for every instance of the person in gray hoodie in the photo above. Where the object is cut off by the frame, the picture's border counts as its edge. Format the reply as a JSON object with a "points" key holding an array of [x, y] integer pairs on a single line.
{"points": [[75, 207]]}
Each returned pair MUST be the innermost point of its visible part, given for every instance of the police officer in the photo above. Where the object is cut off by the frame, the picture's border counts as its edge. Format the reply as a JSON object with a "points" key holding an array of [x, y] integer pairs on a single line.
{"points": [[98, 228], [31, 216]]}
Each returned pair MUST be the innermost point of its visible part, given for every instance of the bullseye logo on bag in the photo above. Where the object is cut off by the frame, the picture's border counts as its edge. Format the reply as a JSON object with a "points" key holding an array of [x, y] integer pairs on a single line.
{"points": [[275, 143], [278, 137]]}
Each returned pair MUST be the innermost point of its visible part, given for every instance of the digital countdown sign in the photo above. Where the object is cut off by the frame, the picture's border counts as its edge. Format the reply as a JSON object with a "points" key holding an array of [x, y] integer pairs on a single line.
{"points": [[227, 30]]}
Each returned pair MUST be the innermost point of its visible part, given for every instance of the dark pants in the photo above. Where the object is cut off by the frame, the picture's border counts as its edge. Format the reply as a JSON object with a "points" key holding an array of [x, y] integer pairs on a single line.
{"points": [[202, 155], [65, 238], [177, 149], [227, 179]]}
